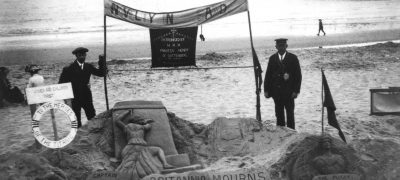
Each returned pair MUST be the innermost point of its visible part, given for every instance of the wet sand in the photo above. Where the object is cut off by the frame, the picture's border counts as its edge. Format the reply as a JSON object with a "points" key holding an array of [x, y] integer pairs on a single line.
{"points": [[58, 50]]}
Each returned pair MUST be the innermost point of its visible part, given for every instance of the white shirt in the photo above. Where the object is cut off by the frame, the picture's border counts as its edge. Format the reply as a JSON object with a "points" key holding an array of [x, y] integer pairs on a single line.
{"points": [[35, 81], [80, 64], [281, 57]]}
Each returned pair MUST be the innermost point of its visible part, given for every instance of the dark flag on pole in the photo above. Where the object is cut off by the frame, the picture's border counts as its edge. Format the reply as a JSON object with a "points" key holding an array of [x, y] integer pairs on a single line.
{"points": [[258, 78], [330, 106], [258, 70]]}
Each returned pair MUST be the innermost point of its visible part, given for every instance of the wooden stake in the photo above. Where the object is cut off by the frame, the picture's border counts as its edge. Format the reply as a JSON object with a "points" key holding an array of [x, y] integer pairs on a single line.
{"points": [[322, 99], [258, 111], [105, 61], [53, 121]]}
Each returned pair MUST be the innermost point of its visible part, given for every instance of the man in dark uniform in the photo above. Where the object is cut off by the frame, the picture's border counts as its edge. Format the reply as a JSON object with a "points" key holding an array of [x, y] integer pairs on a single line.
{"points": [[282, 82], [78, 73]]}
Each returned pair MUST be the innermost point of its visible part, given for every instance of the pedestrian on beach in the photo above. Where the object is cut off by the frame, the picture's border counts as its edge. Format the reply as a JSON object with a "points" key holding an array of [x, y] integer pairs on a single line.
{"points": [[78, 73], [282, 83], [36, 79], [321, 27], [8, 92]]}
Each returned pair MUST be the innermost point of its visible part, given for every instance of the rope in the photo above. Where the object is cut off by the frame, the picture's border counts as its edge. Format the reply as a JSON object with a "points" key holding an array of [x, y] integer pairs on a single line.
{"points": [[112, 82], [196, 68]]}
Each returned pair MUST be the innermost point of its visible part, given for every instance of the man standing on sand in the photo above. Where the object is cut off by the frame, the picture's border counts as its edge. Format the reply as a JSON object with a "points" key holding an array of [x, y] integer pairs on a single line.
{"points": [[321, 27], [78, 73], [282, 82]]}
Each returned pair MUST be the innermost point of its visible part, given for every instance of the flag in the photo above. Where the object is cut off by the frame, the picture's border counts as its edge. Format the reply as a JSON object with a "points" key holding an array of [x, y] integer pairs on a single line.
{"points": [[258, 77], [330, 106], [257, 69]]}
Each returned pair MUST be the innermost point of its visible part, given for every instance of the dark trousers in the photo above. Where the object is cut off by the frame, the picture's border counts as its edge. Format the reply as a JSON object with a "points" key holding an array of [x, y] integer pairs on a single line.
{"points": [[280, 105], [321, 29], [87, 106]]}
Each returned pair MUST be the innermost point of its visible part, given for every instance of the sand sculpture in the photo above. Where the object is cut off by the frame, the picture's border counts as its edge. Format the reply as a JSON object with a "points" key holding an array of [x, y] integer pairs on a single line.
{"points": [[318, 155], [143, 140], [328, 162], [139, 159]]}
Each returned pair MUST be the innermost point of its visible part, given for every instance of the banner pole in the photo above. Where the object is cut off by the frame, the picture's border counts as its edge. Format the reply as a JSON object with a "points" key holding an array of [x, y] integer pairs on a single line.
{"points": [[105, 61], [322, 100], [258, 111]]}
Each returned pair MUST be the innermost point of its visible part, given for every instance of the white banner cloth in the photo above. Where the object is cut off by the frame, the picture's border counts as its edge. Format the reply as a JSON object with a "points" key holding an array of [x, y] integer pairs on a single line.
{"points": [[178, 19]]}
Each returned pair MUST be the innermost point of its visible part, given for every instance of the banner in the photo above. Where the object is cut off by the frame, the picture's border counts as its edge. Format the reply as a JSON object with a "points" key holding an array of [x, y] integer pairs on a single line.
{"points": [[186, 18], [173, 47]]}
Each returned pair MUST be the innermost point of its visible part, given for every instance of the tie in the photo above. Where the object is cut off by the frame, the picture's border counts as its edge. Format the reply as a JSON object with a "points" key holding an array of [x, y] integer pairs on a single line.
{"points": [[82, 66]]}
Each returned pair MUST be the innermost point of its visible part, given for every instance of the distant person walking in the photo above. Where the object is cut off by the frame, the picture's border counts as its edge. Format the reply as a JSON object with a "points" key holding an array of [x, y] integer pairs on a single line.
{"points": [[282, 83], [321, 27], [78, 73]]}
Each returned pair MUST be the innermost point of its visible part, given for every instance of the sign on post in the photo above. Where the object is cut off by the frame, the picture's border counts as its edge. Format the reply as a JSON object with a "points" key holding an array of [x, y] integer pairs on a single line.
{"points": [[49, 93]]}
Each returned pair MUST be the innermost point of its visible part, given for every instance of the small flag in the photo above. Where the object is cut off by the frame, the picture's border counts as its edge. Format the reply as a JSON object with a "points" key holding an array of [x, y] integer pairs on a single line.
{"points": [[257, 67], [330, 106]]}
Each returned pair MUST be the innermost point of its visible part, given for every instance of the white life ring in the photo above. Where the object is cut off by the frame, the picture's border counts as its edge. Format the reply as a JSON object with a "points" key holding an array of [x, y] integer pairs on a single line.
{"points": [[42, 139]]}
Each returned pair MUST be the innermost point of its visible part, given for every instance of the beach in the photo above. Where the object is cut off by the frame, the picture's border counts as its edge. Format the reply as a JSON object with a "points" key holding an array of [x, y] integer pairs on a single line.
{"points": [[211, 106], [201, 95]]}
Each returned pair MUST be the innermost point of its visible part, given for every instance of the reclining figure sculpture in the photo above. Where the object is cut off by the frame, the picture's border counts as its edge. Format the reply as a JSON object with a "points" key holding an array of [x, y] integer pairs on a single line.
{"points": [[139, 159]]}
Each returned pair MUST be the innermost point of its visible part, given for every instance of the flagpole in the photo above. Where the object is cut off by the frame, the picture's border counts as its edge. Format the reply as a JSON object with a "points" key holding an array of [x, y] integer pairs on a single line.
{"points": [[322, 100], [258, 111], [105, 61]]}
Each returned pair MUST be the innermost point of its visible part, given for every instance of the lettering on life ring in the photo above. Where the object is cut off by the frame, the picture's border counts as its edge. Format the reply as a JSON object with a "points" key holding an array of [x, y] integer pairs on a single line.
{"points": [[42, 139]]}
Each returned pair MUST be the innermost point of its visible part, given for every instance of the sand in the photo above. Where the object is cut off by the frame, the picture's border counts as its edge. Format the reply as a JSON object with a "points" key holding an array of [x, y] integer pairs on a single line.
{"points": [[202, 95]]}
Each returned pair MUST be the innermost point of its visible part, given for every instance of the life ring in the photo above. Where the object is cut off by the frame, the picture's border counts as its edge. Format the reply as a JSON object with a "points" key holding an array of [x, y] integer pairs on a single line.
{"points": [[42, 139]]}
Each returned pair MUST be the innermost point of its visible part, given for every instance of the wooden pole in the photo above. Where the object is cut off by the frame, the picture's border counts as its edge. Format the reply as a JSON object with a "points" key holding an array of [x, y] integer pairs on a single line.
{"points": [[53, 121], [105, 61], [258, 111], [32, 107], [322, 100]]}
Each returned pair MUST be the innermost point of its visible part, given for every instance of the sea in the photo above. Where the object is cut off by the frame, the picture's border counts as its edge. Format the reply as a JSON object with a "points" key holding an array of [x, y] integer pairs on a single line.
{"points": [[54, 23]]}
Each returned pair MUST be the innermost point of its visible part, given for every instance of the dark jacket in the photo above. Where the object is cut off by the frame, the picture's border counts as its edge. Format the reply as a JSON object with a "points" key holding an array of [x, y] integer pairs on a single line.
{"points": [[274, 83], [80, 79]]}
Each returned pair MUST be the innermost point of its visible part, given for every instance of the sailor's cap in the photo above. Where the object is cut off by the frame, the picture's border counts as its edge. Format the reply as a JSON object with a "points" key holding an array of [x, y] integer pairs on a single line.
{"points": [[80, 50]]}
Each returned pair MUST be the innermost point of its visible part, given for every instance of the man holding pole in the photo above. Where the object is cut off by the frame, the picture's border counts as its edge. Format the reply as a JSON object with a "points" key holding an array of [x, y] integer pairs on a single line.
{"points": [[282, 82], [78, 73]]}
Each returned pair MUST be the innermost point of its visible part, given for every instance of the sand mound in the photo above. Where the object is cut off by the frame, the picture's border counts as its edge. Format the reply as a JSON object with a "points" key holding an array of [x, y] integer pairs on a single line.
{"points": [[226, 145]]}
